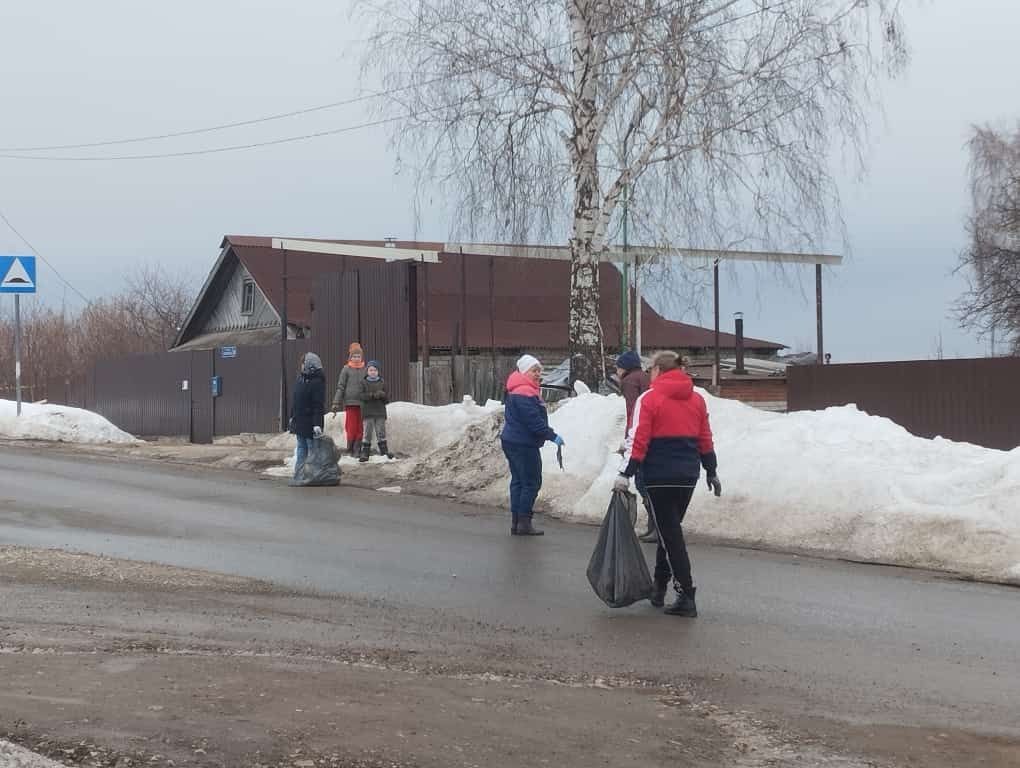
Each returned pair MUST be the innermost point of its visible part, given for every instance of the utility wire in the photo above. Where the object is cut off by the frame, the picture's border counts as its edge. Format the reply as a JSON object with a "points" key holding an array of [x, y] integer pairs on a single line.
{"points": [[294, 113], [212, 150], [48, 263]]}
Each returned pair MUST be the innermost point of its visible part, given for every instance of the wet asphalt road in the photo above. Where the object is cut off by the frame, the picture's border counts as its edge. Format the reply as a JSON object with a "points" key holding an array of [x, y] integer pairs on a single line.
{"points": [[796, 636]]}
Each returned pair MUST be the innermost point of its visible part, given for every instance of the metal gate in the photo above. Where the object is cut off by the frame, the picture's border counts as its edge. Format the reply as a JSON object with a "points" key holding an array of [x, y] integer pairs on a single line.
{"points": [[369, 304]]}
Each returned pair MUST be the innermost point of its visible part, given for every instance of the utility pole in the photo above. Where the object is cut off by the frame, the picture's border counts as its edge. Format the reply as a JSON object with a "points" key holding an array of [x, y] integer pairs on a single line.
{"points": [[17, 349], [716, 373], [283, 348], [625, 293], [818, 314], [637, 304]]}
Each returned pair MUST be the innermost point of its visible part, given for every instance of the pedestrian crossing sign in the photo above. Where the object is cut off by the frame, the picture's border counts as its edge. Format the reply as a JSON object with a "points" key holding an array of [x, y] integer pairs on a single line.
{"points": [[18, 274]]}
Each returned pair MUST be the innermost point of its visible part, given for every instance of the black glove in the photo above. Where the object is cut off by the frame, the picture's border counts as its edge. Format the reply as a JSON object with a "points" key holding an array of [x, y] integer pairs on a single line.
{"points": [[714, 485]]}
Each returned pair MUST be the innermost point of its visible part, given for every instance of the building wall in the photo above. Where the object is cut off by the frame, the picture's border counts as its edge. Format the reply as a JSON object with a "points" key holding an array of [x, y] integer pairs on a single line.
{"points": [[770, 390], [226, 314]]}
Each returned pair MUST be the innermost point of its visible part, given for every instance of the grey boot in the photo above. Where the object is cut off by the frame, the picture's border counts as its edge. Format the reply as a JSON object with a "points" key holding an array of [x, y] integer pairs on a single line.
{"points": [[684, 605], [513, 525], [365, 450], [525, 528]]}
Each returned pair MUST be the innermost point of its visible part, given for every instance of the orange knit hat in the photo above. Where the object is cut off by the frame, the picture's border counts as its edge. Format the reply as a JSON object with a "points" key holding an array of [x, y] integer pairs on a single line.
{"points": [[355, 348]]}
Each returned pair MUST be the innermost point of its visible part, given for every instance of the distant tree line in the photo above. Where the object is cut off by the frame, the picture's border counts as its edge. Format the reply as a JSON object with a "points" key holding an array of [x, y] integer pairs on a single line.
{"points": [[59, 343]]}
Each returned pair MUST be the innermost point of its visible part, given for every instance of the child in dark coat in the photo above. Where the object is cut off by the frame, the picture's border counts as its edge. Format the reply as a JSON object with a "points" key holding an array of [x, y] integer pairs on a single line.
{"points": [[373, 411]]}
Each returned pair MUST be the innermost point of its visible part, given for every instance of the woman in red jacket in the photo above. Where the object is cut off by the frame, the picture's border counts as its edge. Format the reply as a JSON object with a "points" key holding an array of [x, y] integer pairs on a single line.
{"points": [[669, 442]]}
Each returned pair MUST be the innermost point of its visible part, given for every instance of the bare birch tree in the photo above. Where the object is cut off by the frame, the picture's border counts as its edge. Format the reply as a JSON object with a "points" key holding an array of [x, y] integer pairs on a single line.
{"points": [[991, 259], [534, 116]]}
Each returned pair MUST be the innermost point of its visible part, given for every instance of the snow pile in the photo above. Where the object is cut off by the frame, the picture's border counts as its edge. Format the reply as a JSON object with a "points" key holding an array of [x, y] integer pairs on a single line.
{"points": [[412, 430], [58, 423], [846, 483], [837, 482]]}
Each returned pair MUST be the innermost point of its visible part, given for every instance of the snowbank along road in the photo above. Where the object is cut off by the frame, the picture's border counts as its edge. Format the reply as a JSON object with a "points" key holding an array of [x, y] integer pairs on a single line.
{"points": [[824, 647]]}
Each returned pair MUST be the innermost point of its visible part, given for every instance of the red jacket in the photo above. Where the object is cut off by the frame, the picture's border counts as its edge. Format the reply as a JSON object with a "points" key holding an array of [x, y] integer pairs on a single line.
{"points": [[670, 439]]}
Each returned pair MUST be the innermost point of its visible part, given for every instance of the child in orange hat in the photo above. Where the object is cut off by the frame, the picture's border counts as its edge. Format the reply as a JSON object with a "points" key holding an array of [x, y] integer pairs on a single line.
{"points": [[348, 394]]}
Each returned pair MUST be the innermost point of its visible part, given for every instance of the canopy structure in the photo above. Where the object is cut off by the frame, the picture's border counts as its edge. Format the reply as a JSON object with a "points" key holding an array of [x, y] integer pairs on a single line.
{"points": [[704, 258]]}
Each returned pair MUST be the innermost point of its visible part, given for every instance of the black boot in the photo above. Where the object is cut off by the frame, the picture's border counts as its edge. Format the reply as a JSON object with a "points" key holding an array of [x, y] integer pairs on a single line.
{"points": [[384, 449], [658, 596], [513, 525], [351, 445], [365, 450], [651, 535], [525, 528], [684, 605]]}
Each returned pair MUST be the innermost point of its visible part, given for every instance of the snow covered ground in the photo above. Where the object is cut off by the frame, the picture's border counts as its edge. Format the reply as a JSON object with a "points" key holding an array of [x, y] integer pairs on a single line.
{"points": [[838, 482], [59, 423]]}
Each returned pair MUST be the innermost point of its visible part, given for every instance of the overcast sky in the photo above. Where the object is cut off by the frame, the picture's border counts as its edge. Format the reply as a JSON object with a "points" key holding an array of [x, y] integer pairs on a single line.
{"points": [[75, 72]]}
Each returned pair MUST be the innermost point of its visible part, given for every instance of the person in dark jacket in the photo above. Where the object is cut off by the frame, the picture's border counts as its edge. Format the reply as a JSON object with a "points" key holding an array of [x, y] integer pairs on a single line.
{"points": [[670, 442], [525, 431], [633, 383], [373, 411], [308, 407]]}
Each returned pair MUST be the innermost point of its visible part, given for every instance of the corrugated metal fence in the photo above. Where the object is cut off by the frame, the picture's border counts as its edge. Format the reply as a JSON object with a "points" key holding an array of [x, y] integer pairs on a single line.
{"points": [[170, 394], [372, 305], [975, 401]]}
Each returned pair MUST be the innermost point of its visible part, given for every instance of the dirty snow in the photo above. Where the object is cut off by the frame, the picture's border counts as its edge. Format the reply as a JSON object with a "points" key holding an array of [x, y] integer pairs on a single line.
{"points": [[13, 756], [58, 423], [837, 482]]}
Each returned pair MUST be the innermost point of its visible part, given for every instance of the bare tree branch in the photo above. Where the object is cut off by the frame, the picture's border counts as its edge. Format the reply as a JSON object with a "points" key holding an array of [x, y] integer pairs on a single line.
{"points": [[991, 260], [725, 112]]}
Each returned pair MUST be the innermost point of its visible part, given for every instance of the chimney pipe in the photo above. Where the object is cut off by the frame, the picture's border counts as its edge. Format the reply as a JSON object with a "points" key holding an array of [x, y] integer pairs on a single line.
{"points": [[740, 370]]}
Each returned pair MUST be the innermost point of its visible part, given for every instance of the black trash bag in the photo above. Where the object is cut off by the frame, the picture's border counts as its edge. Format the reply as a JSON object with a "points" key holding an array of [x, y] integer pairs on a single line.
{"points": [[617, 570], [320, 468]]}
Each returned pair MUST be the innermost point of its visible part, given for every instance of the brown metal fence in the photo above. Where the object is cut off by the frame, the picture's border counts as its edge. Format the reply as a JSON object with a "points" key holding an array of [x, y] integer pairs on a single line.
{"points": [[142, 394], [146, 395], [370, 305], [975, 401]]}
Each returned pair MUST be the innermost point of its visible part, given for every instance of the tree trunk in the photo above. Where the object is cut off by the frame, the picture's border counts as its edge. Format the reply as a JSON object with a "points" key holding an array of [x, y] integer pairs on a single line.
{"points": [[585, 339]]}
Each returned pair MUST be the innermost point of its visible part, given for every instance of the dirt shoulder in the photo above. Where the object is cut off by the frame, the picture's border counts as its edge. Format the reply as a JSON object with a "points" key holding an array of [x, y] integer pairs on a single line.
{"points": [[114, 663], [111, 663]]}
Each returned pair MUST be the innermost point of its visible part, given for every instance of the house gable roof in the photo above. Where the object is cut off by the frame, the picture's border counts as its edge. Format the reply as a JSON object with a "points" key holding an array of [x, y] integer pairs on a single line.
{"points": [[530, 296]]}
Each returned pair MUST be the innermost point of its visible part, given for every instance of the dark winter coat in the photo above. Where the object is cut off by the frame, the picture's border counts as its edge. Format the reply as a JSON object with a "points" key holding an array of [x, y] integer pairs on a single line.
{"points": [[632, 386], [527, 421], [374, 399], [308, 404], [671, 440], [349, 385]]}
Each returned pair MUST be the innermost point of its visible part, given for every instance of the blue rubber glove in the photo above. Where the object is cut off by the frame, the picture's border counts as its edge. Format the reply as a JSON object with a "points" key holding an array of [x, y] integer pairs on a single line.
{"points": [[559, 441]]}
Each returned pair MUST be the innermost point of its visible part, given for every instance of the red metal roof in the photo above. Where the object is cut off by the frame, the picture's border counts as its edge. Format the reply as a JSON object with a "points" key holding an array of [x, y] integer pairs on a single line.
{"points": [[530, 296]]}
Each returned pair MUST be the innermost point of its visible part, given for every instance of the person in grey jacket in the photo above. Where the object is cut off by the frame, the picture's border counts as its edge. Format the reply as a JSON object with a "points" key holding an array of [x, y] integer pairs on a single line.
{"points": [[349, 386], [374, 398]]}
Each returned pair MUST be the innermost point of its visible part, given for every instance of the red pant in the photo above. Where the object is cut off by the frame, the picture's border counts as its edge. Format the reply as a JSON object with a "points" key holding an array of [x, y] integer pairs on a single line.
{"points": [[353, 425]]}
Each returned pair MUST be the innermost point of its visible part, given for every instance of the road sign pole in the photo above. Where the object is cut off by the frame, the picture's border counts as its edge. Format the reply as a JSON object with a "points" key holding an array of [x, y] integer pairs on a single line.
{"points": [[17, 349]]}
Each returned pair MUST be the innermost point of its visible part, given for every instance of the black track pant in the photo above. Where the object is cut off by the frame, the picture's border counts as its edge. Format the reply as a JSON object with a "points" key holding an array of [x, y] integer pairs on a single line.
{"points": [[669, 505]]}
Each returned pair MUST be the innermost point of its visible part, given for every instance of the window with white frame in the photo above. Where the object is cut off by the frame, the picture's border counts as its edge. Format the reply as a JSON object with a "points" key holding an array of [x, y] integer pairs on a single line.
{"points": [[248, 297]]}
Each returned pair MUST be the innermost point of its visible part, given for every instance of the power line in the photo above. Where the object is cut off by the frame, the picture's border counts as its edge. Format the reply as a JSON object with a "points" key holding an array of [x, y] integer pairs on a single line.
{"points": [[212, 150], [209, 129], [294, 113], [46, 261]]}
